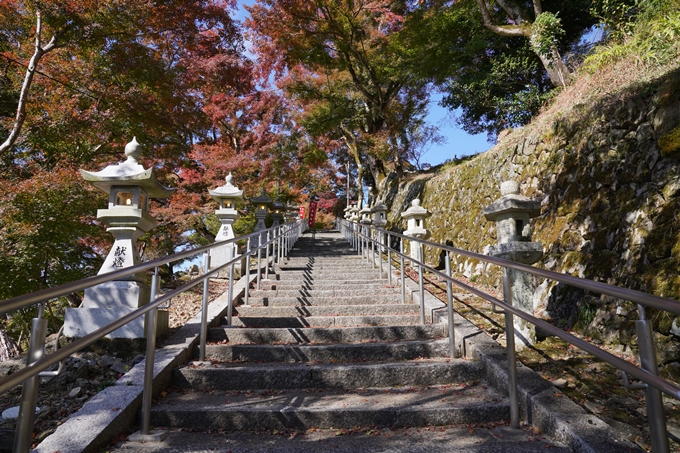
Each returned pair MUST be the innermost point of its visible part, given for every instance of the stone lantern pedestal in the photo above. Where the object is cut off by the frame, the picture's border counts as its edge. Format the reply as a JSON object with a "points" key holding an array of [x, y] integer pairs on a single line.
{"points": [[129, 186], [278, 209], [227, 196], [262, 204], [512, 213], [380, 219], [415, 221]]}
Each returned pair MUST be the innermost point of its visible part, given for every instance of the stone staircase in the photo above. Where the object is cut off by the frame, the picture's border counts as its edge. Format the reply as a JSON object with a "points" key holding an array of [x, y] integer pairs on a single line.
{"points": [[326, 344]]}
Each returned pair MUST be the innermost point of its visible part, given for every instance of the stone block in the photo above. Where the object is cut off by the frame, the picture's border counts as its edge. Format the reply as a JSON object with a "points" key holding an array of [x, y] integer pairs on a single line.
{"points": [[79, 322], [115, 294]]}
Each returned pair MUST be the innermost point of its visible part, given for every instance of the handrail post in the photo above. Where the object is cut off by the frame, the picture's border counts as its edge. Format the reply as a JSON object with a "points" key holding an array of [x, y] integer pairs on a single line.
{"points": [[29, 393], [379, 233], [150, 321], [247, 274], [655, 412], [449, 308], [372, 232], [402, 272], [259, 263], [230, 294], [389, 260], [266, 258], [204, 308], [359, 241], [512, 359], [421, 287]]}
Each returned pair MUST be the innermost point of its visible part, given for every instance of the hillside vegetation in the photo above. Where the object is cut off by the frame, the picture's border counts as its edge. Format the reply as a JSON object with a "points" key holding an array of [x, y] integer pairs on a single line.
{"points": [[603, 158]]}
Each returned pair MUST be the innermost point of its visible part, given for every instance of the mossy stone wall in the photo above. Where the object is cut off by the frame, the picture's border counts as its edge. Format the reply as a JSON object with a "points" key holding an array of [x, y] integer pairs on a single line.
{"points": [[610, 199]]}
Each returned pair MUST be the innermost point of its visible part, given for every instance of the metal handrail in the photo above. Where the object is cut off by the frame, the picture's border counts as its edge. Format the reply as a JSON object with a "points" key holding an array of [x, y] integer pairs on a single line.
{"points": [[360, 235], [282, 240]]}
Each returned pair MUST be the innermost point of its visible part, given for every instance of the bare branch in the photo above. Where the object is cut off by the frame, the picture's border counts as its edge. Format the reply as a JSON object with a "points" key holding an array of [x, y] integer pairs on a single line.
{"points": [[538, 10]]}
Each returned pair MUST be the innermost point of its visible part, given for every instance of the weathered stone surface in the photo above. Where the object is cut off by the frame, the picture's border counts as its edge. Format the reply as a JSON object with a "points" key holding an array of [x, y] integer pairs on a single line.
{"points": [[607, 176]]}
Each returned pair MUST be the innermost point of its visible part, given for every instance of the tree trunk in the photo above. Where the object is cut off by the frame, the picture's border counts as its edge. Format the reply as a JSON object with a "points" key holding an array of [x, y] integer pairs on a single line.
{"points": [[8, 347], [557, 71]]}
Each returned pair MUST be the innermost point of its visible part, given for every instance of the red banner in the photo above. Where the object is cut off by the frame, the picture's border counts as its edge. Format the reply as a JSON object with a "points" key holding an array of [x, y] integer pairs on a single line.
{"points": [[312, 213], [301, 212]]}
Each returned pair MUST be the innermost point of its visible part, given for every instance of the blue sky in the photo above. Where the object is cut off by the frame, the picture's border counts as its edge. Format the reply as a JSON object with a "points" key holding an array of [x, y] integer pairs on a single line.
{"points": [[457, 142]]}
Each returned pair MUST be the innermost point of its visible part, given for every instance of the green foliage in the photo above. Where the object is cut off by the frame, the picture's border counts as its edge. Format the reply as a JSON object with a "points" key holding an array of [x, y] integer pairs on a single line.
{"points": [[546, 33], [497, 82], [654, 38], [616, 15]]}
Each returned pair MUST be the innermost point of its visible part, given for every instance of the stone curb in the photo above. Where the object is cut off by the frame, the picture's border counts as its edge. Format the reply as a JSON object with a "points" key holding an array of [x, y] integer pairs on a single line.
{"points": [[116, 409], [542, 405]]}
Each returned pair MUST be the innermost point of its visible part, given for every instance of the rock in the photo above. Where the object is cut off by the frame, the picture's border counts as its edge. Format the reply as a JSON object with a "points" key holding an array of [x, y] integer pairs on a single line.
{"points": [[120, 367], [592, 407], [13, 413], [74, 392], [560, 383], [107, 361]]}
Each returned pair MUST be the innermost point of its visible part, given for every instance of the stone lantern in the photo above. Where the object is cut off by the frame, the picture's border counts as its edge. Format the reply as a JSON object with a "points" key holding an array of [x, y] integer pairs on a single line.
{"points": [[354, 213], [227, 196], [290, 213], [262, 204], [130, 186], [366, 216], [278, 209], [347, 212], [415, 222], [512, 213], [380, 215]]}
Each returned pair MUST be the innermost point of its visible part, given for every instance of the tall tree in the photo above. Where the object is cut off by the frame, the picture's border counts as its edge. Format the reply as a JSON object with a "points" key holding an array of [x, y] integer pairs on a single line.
{"points": [[344, 53]]}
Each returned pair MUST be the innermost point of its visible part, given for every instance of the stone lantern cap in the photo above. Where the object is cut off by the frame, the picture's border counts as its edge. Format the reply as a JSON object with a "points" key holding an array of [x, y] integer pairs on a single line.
{"points": [[380, 207], [262, 200], [227, 191], [278, 206], [129, 173], [416, 211], [511, 202]]}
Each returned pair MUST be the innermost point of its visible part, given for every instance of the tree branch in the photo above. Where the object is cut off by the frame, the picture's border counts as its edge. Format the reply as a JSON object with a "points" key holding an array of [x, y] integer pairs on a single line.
{"points": [[28, 80], [503, 30]]}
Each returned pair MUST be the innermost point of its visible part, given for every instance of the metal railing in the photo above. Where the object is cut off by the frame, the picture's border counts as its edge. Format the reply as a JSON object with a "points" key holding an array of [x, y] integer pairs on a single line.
{"points": [[275, 242], [366, 239]]}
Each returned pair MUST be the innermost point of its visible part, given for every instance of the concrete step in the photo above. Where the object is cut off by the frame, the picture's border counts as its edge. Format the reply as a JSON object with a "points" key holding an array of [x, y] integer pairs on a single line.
{"points": [[337, 376], [327, 321], [378, 299], [301, 410], [327, 310], [329, 353], [245, 335]]}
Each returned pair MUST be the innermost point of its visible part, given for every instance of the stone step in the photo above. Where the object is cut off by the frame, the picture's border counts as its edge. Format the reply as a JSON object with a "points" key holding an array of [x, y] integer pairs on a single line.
{"points": [[315, 292], [337, 376], [327, 310], [245, 335], [378, 299], [465, 438], [329, 353], [301, 410], [350, 285], [327, 321], [302, 277]]}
